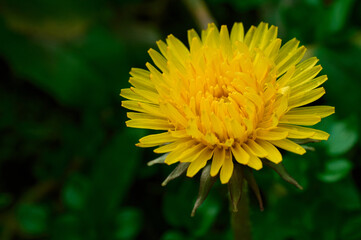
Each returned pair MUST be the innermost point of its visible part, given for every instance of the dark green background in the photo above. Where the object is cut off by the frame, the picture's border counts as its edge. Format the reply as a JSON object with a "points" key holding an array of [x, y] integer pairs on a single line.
{"points": [[68, 165]]}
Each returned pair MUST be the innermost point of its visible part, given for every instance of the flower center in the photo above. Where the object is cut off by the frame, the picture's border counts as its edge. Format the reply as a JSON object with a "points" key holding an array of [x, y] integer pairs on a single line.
{"points": [[226, 98]]}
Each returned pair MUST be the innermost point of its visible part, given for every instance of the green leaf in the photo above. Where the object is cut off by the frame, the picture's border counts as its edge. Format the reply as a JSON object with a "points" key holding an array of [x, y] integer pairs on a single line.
{"points": [[311, 14], [67, 227], [178, 201], [343, 136], [76, 192], [105, 52], [351, 229], [5, 200], [70, 77], [112, 176], [338, 14], [115, 169], [128, 223], [173, 235], [335, 170], [343, 194], [206, 216], [32, 218], [56, 9], [340, 63]]}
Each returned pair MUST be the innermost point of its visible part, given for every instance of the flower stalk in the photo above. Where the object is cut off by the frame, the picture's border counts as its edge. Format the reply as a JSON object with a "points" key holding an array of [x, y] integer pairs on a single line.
{"points": [[240, 220]]}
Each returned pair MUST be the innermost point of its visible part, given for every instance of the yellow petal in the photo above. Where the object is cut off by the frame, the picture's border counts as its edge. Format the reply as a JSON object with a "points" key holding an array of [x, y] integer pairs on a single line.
{"points": [[156, 77], [141, 78], [186, 142], [249, 35], [152, 109], [259, 37], [136, 115], [237, 33], [140, 73], [225, 42], [301, 89], [151, 96], [272, 49], [286, 51], [254, 161], [305, 65], [191, 35], [289, 145], [274, 134], [200, 162], [131, 95], [321, 111], [255, 98], [155, 124], [195, 48], [255, 149], [284, 80], [227, 168], [174, 114], [295, 57], [142, 84], [305, 76], [273, 154], [306, 98], [212, 39], [162, 47], [271, 35], [158, 60], [132, 105], [156, 139], [240, 154], [192, 129], [306, 120], [179, 133], [175, 155], [217, 161], [297, 131], [192, 153], [177, 47]]}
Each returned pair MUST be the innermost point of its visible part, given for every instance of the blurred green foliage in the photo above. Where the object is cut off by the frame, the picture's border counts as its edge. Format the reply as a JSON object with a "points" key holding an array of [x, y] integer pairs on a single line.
{"points": [[69, 168]]}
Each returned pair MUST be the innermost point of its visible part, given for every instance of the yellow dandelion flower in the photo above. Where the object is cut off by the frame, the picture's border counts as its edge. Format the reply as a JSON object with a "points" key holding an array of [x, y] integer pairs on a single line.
{"points": [[227, 99]]}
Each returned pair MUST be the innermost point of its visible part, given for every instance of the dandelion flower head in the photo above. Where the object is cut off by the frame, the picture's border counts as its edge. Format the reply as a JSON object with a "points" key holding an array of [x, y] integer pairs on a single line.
{"points": [[228, 98]]}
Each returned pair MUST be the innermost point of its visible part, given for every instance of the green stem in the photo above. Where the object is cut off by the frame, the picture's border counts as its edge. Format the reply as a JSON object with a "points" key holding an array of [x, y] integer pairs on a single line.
{"points": [[241, 224]]}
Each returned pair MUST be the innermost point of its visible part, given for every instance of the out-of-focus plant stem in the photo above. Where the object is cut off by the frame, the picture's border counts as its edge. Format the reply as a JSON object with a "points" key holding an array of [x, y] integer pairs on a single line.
{"points": [[241, 224], [200, 12]]}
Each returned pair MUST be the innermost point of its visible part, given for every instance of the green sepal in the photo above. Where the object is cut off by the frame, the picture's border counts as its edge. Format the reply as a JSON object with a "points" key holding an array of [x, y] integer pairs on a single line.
{"points": [[206, 183], [235, 186], [281, 170], [179, 170], [248, 174], [309, 148], [158, 160]]}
